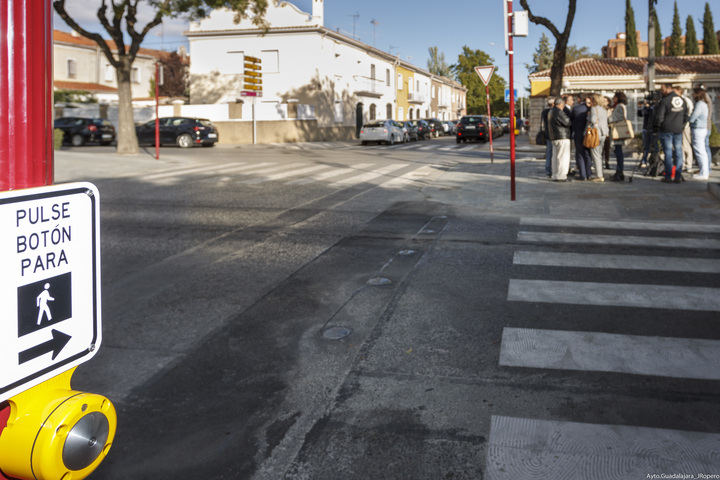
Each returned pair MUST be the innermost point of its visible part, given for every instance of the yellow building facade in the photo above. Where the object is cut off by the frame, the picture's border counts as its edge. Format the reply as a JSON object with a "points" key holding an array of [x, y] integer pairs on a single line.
{"points": [[403, 77]]}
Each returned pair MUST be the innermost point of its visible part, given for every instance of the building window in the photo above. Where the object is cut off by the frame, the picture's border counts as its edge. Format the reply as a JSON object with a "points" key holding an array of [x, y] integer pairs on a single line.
{"points": [[401, 114], [411, 113], [400, 82], [433, 91], [410, 86], [109, 72], [372, 71], [387, 76], [71, 68], [373, 112], [135, 75], [270, 61], [388, 111]]}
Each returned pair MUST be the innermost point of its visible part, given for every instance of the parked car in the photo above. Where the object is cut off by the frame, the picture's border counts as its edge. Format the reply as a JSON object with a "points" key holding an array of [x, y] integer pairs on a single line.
{"points": [[78, 131], [412, 131], [473, 127], [497, 128], [436, 128], [182, 131], [505, 122], [423, 129], [387, 131], [451, 127]]}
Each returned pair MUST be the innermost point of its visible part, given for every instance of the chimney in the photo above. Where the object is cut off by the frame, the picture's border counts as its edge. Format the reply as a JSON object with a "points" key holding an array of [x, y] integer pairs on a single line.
{"points": [[318, 9]]}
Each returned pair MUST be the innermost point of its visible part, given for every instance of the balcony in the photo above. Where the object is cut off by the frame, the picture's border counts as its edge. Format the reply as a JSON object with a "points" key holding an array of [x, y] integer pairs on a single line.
{"points": [[417, 98], [369, 87]]}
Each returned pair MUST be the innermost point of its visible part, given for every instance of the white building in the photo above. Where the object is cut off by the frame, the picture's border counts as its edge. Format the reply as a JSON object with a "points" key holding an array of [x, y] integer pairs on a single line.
{"points": [[309, 72]]}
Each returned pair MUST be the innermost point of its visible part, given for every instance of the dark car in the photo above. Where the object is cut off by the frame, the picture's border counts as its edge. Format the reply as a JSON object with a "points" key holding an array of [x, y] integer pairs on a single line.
{"points": [[182, 131], [505, 122], [78, 131], [498, 130], [412, 130], [436, 127], [423, 129], [472, 127]]}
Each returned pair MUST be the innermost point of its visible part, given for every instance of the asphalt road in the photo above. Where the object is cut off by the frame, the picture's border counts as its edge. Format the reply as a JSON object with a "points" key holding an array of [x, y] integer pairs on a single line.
{"points": [[572, 334]]}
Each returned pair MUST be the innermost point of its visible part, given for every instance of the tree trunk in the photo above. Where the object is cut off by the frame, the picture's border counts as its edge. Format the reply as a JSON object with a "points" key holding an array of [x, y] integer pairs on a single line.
{"points": [[126, 137], [558, 66]]}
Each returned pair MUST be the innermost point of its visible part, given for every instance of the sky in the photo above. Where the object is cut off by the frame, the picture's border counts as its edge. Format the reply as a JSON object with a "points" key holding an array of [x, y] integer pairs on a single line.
{"points": [[408, 28]]}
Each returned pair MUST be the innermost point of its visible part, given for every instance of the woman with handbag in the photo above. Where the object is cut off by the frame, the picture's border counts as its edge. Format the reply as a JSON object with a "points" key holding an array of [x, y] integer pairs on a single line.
{"points": [[617, 120], [597, 128]]}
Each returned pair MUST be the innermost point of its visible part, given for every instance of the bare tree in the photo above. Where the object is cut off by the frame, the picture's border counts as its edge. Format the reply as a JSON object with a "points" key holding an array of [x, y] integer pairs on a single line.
{"points": [[561, 43], [120, 18]]}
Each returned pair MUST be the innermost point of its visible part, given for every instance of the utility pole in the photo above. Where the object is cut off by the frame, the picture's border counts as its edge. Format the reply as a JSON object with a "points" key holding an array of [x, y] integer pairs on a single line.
{"points": [[651, 46], [508, 19], [355, 16], [374, 24]]}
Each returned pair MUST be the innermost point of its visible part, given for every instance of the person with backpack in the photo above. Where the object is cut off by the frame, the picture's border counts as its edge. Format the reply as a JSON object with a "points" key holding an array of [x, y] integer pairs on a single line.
{"points": [[670, 119]]}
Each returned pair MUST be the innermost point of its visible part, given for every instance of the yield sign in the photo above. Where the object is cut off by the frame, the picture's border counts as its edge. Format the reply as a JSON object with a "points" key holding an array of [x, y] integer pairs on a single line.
{"points": [[485, 73]]}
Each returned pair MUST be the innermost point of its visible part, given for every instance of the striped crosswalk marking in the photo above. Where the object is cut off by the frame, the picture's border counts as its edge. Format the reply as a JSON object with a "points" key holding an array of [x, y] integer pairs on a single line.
{"points": [[618, 225], [621, 262], [331, 174], [184, 171], [271, 168], [366, 177], [284, 174], [615, 294], [624, 240], [610, 352], [546, 449]]}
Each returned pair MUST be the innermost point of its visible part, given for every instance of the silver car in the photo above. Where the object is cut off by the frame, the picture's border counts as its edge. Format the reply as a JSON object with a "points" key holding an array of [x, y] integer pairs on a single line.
{"points": [[387, 131]]}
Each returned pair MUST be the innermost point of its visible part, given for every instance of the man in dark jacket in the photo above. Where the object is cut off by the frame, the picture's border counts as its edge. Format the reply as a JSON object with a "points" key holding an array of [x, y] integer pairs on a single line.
{"points": [[670, 119], [559, 127], [548, 140], [578, 118]]}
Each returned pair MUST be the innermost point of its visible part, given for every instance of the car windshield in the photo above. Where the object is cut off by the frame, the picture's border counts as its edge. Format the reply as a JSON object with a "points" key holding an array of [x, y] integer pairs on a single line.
{"points": [[375, 125], [204, 122], [468, 120]]}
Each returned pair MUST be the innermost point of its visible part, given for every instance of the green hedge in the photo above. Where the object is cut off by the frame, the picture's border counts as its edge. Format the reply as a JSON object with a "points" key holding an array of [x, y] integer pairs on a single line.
{"points": [[714, 137], [57, 138]]}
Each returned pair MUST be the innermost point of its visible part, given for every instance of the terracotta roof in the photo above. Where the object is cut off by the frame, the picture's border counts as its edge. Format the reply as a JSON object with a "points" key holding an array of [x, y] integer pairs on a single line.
{"points": [[65, 37], [633, 66], [89, 87]]}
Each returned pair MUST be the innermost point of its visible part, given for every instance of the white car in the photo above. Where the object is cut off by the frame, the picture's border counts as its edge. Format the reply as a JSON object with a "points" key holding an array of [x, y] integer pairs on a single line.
{"points": [[388, 131]]}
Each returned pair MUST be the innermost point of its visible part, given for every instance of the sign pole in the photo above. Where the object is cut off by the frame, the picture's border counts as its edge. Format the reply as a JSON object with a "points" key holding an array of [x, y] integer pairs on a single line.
{"points": [[254, 123], [509, 21], [487, 100], [157, 109]]}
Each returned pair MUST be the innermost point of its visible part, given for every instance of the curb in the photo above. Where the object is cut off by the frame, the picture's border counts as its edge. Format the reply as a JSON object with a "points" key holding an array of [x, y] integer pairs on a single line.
{"points": [[714, 189]]}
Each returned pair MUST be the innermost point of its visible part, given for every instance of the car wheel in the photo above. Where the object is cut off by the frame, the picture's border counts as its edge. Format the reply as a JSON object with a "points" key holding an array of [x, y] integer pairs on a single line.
{"points": [[363, 142], [391, 142], [77, 140], [184, 141], [458, 140]]}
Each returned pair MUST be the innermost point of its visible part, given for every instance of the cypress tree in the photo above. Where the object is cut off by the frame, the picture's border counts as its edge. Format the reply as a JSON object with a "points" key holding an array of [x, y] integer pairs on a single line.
{"points": [[631, 46], [710, 41], [691, 43], [675, 47], [658, 37]]}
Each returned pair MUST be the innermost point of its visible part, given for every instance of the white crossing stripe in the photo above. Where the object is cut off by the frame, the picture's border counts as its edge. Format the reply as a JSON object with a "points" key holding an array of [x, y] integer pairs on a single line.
{"points": [[284, 174], [626, 240], [610, 352], [272, 168], [615, 294], [622, 262], [407, 177], [427, 147], [524, 448], [242, 168], [609, 224], [184, 171], [366, 177], [331, 174]]}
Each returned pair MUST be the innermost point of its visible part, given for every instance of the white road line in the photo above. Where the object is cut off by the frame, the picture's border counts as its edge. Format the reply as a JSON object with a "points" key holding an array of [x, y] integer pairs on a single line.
{"points": [[427, 147], [615, 295], [366, 177], [326, 175], [626, 240], [465, 149], [240, 168], [407, 177], [184, 171], [284, 174], [524, 448], [272, 168], [609, 352], [655, 226], [622, 262]]}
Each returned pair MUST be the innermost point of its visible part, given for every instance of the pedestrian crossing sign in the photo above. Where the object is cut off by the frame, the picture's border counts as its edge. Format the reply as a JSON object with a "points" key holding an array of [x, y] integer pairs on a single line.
{"points": [[50, 285]]}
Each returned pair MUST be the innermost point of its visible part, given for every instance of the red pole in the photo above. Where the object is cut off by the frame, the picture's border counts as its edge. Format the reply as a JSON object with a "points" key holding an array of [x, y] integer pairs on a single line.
{"points": [[487, 100], [157, 109], [512, 104], [26, 102], [26, 82]]}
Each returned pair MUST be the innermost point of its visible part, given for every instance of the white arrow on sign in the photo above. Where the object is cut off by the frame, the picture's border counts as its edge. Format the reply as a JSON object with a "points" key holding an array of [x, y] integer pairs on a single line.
{"points": [[485, 73]]}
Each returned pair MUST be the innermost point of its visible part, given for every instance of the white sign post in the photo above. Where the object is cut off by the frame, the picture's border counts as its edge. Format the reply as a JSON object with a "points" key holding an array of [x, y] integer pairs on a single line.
{"points": [[485, 73], [50, 283]]}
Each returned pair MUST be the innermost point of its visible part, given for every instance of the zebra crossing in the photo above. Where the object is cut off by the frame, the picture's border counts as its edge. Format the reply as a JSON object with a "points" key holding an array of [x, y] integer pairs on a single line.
{"points": [[294, 173], [420, 146], [568, 262]]}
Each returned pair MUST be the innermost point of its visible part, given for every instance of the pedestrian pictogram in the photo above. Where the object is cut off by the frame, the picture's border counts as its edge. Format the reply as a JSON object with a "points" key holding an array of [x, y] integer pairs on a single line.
{"points": [[50, 287]]}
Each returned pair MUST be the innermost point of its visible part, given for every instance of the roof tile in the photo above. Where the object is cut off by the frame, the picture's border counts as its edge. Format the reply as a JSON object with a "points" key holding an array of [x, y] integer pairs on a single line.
{"points": [[632, 66]]}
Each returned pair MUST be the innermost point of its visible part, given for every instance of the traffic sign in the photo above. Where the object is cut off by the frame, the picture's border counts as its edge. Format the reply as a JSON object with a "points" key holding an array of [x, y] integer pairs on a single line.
{"points": [[252, 87], [251, 94], [250, 59], [250, 73], [507, 95], [252, 66], [485, 73], [50, 283], [253, 80]]}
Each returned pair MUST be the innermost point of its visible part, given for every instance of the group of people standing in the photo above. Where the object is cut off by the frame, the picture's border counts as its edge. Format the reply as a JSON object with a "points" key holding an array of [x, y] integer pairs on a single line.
{"points": [[566, 124]]}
